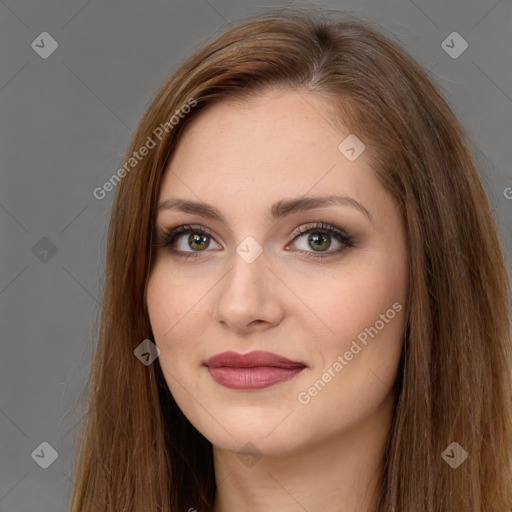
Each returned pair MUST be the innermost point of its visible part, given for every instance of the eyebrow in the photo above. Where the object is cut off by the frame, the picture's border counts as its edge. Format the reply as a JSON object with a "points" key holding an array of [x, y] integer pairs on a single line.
{"points": [[278, 210]]}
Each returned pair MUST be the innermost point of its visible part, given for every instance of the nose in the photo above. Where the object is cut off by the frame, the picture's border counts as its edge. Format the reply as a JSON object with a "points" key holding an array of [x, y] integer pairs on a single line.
{"points": [[248, 296]]}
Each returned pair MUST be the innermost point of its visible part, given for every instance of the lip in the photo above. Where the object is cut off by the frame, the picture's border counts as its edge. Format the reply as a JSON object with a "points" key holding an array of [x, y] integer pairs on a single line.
{"points": [[254, 370], [251, 360]]}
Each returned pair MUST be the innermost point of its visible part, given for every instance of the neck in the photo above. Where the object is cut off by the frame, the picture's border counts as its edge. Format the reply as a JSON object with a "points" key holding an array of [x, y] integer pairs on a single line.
{"points": [[339, 473]]}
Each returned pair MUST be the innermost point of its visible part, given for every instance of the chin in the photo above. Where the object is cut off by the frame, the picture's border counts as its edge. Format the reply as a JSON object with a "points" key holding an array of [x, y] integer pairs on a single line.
{"points": [[257, 446], [268, 438]]}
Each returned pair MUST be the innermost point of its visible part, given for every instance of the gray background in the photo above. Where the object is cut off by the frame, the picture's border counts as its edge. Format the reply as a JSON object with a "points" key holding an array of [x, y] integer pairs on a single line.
{"points": [[65, 124]]}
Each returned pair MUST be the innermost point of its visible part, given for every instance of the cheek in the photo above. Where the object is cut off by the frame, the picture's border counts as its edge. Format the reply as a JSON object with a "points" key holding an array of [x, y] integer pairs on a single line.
{"points": [[175, 311], [364, 308], [350, 301], [173, 296], [356, 367]]}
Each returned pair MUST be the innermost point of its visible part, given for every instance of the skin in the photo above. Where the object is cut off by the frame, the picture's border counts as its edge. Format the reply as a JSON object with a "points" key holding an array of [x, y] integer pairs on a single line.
{"points": [[323, 455]]}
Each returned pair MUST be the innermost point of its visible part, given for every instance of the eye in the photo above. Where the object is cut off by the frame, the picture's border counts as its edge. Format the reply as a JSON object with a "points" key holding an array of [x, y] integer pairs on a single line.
{"points": [[320, 237], [199, 239]]}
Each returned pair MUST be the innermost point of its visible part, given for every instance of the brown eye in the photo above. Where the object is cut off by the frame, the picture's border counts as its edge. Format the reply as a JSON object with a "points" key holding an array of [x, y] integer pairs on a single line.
{"points": [[198, 241], [319, 241], [320, 238]]}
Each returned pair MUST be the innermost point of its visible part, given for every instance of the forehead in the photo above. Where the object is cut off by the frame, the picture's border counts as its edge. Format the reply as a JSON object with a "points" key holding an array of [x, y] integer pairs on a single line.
{"points": [[281, 122], [280, 144]]}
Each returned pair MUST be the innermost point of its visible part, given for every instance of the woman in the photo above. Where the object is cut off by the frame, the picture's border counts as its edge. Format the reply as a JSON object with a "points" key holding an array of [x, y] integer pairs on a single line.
{"points": [[306, 305]]}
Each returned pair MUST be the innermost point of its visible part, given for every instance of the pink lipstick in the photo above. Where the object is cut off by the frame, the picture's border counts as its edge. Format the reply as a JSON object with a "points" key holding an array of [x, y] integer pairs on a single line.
{"points": [[255, 370]]}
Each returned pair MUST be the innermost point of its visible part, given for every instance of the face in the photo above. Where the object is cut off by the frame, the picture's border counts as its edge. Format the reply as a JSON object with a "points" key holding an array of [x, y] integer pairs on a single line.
{"points": [[323, 285]]}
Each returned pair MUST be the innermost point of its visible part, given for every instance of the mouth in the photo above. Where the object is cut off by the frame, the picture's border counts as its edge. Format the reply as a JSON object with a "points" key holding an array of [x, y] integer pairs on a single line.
{"points": [[255, 370]]}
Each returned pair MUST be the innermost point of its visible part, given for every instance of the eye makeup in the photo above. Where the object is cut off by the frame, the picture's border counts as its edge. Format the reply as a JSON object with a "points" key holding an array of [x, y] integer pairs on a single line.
{"points": [[200, 235]]}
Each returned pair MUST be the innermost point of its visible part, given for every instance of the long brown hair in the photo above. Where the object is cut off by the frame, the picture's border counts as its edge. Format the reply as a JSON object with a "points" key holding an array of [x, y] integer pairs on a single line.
{"points": [[138, 452]]}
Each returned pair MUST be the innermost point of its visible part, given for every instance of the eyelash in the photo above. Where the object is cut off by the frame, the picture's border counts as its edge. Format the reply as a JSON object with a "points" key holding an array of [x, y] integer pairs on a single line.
{"points": [[169, 236]]}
